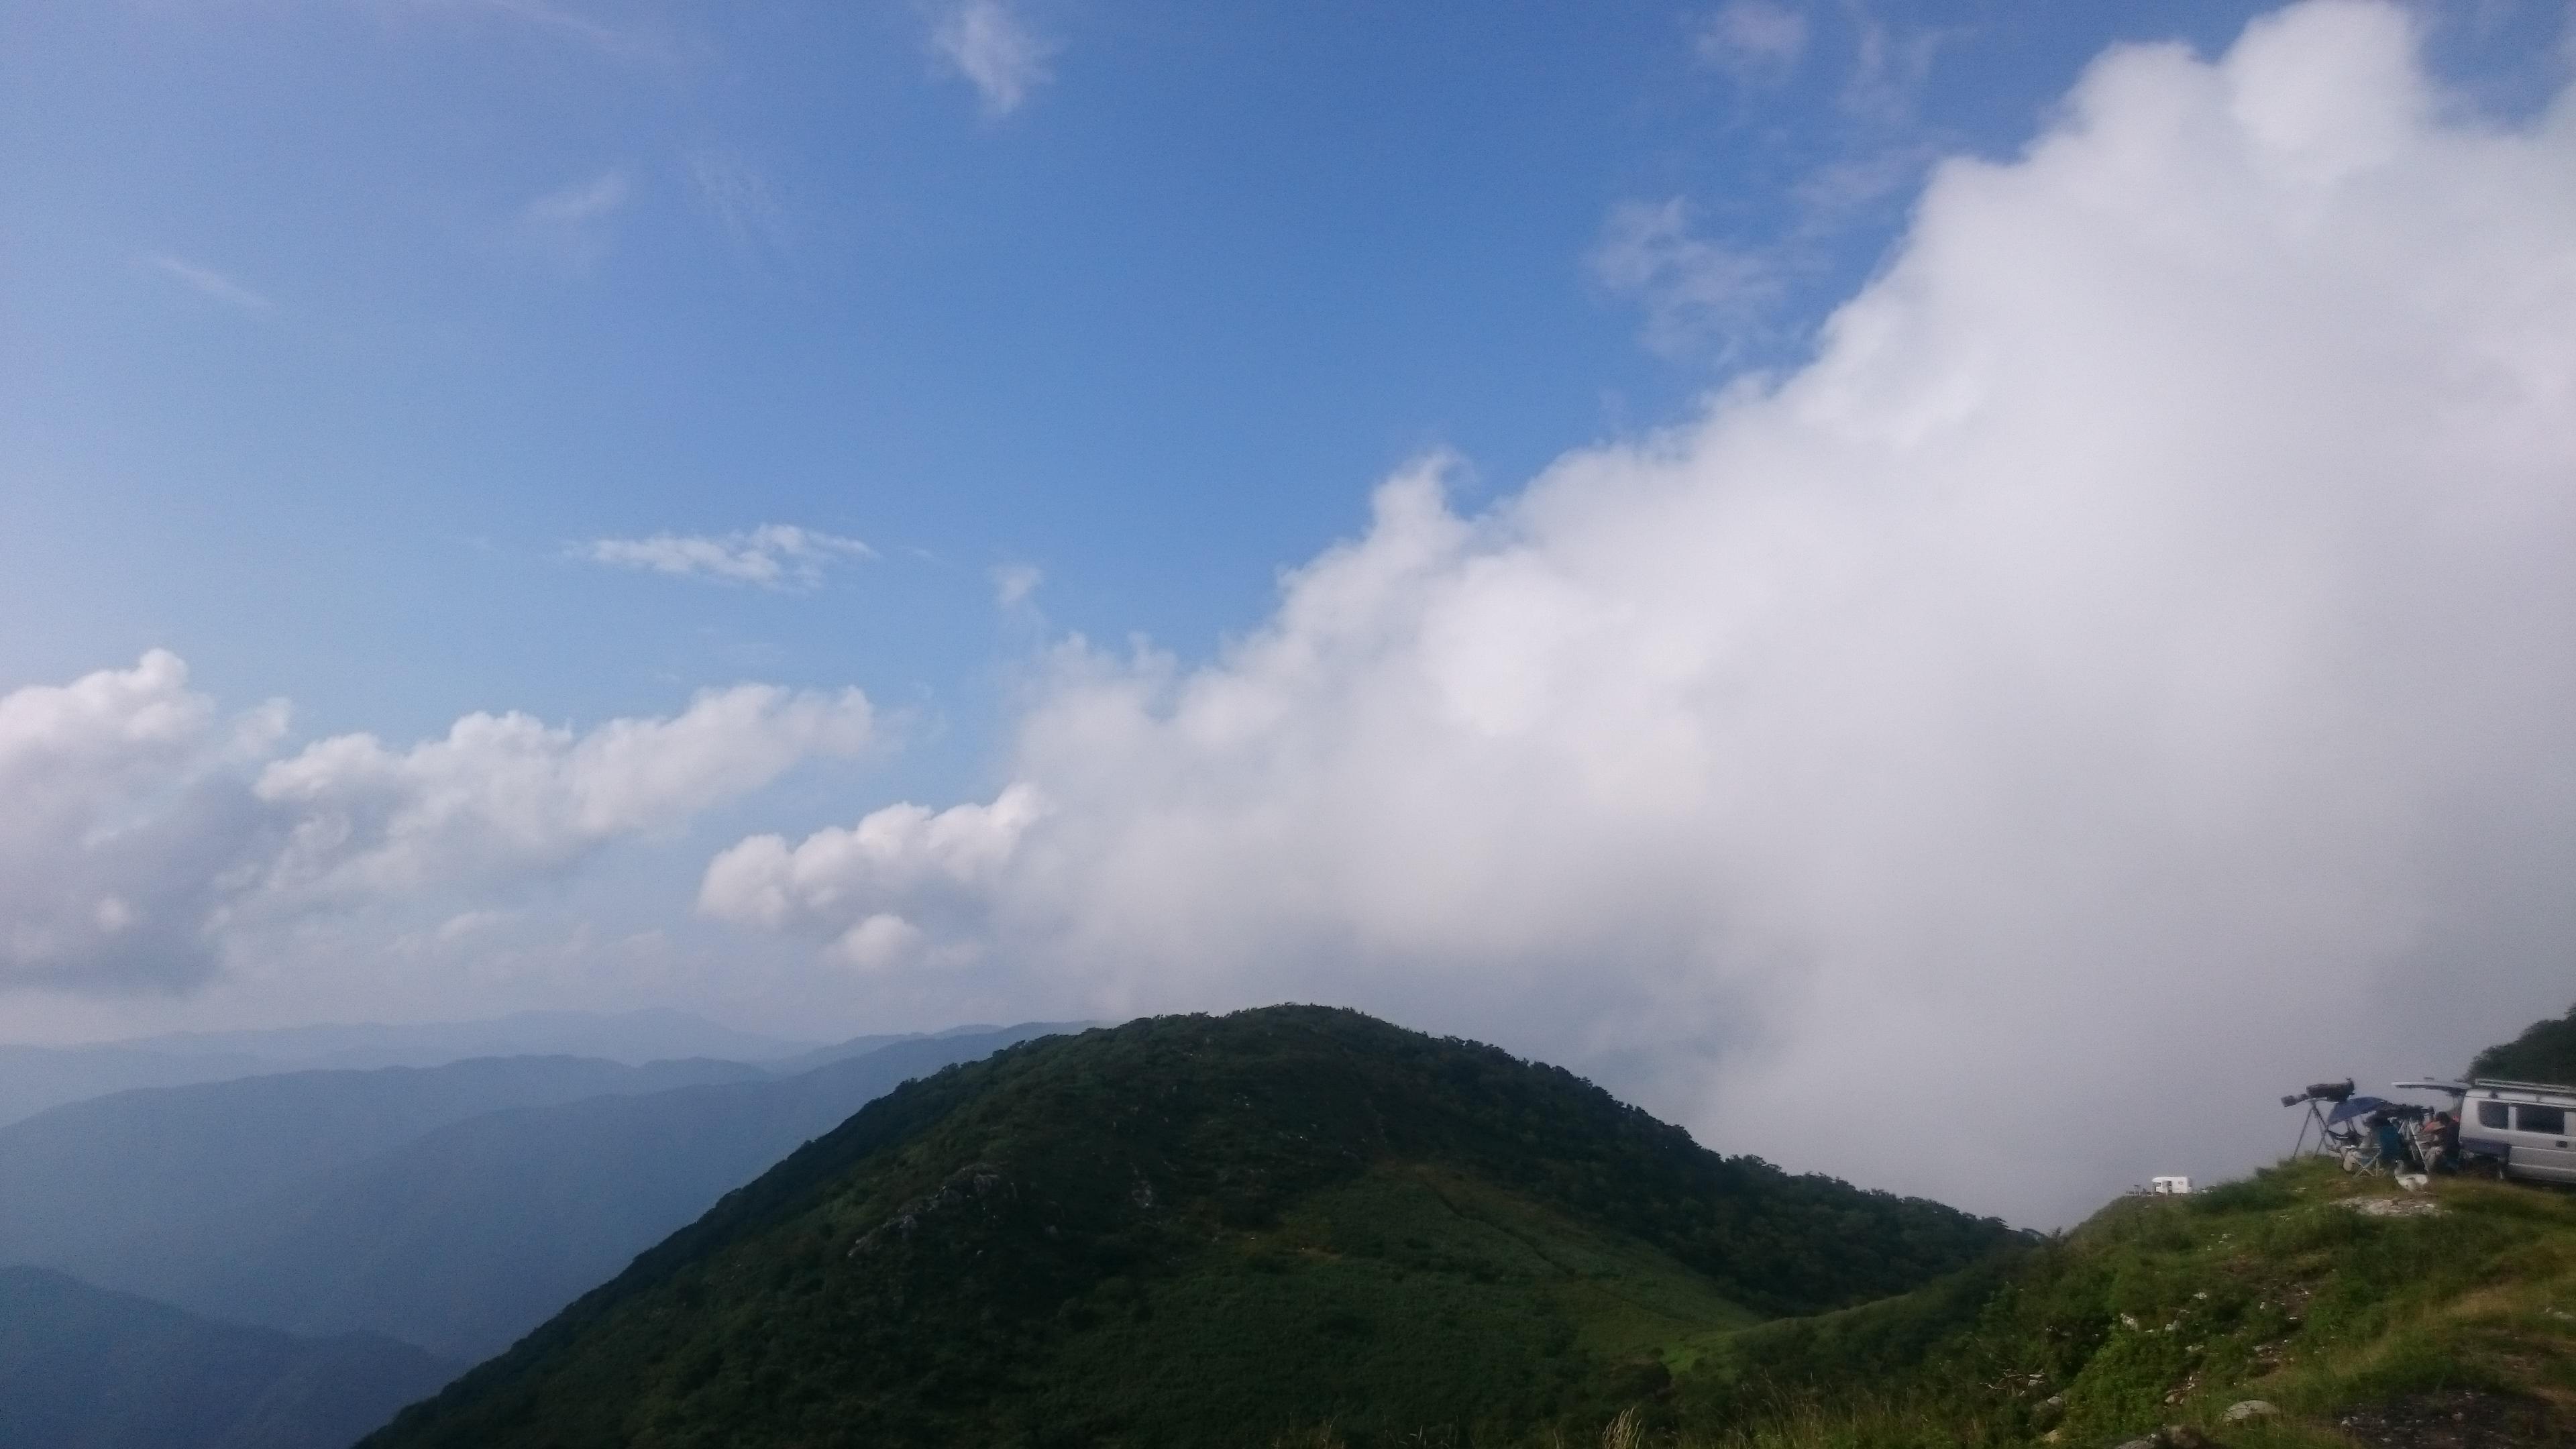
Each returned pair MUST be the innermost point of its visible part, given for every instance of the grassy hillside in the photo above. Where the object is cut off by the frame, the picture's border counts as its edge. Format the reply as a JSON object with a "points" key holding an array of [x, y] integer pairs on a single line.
{"points": [[2449, 1322], [1195, 1231], [83, 1368]]}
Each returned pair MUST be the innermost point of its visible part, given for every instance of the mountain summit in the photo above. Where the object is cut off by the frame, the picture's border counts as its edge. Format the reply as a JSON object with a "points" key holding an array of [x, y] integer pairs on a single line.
{"points": [[1194, 1230]]}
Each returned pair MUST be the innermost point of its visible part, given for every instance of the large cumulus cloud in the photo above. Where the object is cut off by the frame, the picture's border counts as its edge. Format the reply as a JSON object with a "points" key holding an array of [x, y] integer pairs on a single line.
{"points": [[122, 826], [507, 794], [2130, 664]]}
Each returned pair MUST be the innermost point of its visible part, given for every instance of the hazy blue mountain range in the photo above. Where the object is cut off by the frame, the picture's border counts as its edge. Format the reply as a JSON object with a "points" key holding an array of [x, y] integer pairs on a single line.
{"points": [[451, 1207], [82, 1368], [80, 1183], [807, 1060], [34, 1078], [634, 1037]]}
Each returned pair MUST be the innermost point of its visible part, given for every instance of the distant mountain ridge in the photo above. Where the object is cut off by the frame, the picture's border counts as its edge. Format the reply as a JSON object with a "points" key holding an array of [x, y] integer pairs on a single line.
{"points": [[651, 1034], [79, 1182], [35, 1078], [452, 1207], [83, 1368]]}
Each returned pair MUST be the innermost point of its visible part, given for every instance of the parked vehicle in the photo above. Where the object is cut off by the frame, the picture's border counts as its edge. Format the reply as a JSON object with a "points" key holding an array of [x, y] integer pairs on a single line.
{"points": [[2523, 1128]]}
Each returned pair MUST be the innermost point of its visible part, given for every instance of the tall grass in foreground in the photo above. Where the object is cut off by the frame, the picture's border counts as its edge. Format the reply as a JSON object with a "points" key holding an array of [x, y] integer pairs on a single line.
{"points": [[1873, 1425]]}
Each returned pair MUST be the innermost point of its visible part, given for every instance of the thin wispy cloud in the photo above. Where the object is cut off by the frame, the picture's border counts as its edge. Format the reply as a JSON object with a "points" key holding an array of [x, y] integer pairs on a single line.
{"points": [[772, 556], [620, 42], [988, 45], [731, 190], [1695, 291], [582, 203], [562, 22], [1752, 41], [1832, 194], [1701, 292], [1889, 70], [572, 224], [209, 283], [1014, 583]]}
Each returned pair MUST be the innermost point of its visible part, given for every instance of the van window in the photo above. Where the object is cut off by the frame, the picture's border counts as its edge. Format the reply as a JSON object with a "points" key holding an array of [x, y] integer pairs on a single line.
{"points": [[2491, 1114], [2552, 1120]]}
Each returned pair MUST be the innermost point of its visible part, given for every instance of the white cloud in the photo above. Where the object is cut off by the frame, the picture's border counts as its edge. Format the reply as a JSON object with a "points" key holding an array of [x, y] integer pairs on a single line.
{"points": [[994, 50], [2126, 672], [1753, 41], [506, 795], [207, 282], [144, 834], [898, 859], [878, 943], [120, 822], [772, 556], [1694, 290]]}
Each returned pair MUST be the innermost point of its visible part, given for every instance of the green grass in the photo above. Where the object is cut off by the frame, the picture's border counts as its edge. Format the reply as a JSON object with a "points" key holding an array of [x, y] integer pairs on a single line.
{"points": [[2159, 1311], [2166, 1311]]}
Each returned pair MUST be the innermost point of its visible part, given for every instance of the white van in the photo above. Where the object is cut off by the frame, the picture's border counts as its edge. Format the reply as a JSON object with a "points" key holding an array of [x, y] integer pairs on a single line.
{"points": [[2527, 1127]]}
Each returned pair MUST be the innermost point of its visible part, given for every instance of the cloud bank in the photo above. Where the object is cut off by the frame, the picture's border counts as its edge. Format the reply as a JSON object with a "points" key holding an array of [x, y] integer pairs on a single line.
{"points": [[2126, 670], [504, 795], [145, 832]]}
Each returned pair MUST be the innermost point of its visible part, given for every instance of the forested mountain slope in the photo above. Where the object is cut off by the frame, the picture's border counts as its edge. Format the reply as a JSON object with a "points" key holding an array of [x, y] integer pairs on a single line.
{"points": [[1199, 1231], [2545, 1052]]}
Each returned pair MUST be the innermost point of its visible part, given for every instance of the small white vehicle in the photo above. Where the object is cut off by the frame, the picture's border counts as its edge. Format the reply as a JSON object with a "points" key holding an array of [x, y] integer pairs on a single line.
{"points": [[2524, 1127]]}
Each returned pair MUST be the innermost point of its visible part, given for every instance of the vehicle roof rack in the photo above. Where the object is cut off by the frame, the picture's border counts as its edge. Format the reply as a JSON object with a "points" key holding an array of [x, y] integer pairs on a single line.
{"points": [[2561, 1088]]}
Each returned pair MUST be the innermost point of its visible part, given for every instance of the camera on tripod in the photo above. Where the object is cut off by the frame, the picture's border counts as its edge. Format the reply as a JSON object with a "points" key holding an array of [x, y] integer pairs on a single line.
{"points": [[2320, 1092]]}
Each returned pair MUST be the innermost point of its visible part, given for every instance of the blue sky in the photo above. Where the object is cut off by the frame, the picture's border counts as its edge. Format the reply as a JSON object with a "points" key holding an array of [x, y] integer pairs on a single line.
{"points": [[410, 361], [338, 321]]}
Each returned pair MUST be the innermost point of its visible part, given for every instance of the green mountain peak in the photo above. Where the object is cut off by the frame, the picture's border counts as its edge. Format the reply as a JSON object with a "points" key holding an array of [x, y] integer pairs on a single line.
{"points": [[1201, 1230]]}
